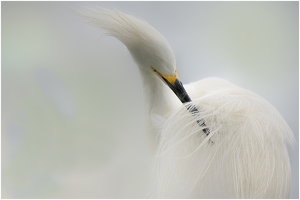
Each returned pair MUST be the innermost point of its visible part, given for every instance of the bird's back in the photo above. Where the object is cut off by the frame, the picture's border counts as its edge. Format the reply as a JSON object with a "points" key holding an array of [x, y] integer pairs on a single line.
{"points": [[245, 155]]}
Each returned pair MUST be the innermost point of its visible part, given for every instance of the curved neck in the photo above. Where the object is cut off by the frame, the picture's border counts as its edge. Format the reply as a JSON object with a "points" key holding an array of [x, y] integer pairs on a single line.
{"points": [[159, 101], [158, 97]]}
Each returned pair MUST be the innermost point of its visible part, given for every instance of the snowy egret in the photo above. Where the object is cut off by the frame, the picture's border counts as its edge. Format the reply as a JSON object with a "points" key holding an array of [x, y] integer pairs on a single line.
{"points": [[225, 142]]}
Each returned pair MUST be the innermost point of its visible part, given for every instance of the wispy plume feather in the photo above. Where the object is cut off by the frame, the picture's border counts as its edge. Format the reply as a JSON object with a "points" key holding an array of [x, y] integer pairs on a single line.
{"points": [[247, 159]]}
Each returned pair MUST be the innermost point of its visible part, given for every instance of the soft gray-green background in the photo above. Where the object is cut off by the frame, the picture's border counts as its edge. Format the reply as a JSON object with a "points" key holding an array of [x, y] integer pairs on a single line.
{"points": [[72, 112]]}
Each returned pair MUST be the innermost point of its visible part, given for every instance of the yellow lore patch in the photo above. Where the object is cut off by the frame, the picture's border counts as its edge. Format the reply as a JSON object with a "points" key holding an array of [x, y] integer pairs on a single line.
{"points": [[171, 79]]}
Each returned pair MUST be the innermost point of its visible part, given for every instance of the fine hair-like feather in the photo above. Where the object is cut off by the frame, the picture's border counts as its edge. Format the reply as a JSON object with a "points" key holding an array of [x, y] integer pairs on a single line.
{"points": [[146, 45], [247, 157]]}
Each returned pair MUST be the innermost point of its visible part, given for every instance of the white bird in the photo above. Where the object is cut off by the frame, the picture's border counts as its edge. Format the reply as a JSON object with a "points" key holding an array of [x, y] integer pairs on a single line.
{"points": [[227, 142]]}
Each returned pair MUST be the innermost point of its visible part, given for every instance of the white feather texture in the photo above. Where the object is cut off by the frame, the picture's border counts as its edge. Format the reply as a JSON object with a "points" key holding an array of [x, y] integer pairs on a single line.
{"points": [[247, 157], [147, 46], [244, 156]]}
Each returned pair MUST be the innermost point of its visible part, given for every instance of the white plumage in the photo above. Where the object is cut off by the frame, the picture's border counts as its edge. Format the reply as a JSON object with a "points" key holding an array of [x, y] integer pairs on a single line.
{"points": [[248, 157], [244, 156]]}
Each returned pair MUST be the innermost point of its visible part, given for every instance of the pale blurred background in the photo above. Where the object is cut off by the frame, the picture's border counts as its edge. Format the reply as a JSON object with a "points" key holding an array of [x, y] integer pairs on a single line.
{"points": [[72, 111]]}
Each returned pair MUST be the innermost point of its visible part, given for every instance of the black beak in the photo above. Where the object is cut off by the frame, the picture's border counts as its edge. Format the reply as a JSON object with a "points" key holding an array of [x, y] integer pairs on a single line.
{"points": [[183, 96], [179, 90]]}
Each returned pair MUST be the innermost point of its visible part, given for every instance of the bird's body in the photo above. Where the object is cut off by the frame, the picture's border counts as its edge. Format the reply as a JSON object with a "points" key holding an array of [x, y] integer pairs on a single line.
{"points": [[248, 157], [244, 153]]}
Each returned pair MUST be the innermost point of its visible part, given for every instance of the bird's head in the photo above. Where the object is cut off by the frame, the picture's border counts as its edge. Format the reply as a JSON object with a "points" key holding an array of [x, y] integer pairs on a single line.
{"points": [[152, 52], [148, 47]]}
